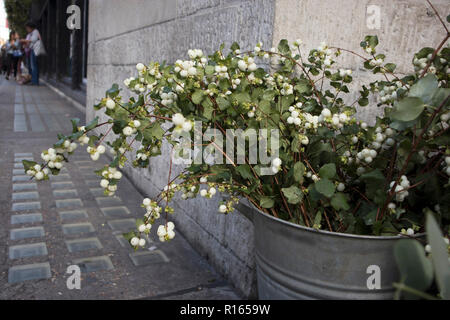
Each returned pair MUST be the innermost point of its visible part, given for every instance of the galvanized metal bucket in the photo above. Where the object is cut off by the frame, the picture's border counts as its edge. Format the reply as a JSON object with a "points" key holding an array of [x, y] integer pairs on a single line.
{"points": [[295, 262]]}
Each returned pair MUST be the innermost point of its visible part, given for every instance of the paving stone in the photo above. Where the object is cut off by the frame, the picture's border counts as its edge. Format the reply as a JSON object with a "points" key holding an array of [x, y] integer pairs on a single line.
{"points": [[18, 165], [122, 224], [20, 123], [92, 183], [18, 172], [22, 178], [73, 215], [24, 206], [69, 203], [93, 264], [87, 170], [31, 195], [26, 233], [20, 159], [24, 186], [62, 185], [77, 228], [83, 244], [29, 272], [61, 177], [145, 258], [28, 250], [115, 212], [70, 193], [108, 201], [97, 192], [26, 218]]}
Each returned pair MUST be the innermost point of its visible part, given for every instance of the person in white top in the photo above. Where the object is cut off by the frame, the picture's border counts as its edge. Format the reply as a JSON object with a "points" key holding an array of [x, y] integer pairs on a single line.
{"points": [[32, 38]]}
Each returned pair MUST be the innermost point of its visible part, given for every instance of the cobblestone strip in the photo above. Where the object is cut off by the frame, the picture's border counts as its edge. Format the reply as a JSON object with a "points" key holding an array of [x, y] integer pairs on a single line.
{"points": [[25, 198]]}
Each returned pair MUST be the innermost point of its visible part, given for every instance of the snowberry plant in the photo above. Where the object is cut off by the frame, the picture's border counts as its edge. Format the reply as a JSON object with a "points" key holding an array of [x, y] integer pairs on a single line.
{"points": [[331, 172]]}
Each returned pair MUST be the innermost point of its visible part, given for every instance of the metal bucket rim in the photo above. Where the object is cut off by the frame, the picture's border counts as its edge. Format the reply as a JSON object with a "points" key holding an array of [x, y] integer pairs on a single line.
{"points": [[335, 234]]}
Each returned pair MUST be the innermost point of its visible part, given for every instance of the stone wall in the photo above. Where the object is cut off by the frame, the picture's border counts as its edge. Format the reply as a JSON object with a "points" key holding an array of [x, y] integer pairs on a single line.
{"points": [[123, 33], [405, 27]]}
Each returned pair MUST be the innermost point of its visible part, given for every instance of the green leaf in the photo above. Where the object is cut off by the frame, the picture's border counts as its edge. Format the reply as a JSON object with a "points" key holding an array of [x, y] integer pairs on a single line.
{"points": [[245, 171], [415, 269], [363, 102], [27, 165], [197, 96], [425, 88], [339, 201], [209, 70], [242, 97], [293, 194], [325, 187], [223, 103], [390, 67], [113, 91], [75, 122], [328, 171], [439, 256], [91, 125], [155, 131], [283, 47], [299, 171], [407, 109], [266, 202]]}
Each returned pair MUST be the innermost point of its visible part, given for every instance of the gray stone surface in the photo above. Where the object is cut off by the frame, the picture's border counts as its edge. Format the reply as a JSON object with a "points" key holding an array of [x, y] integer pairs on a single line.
{"points": [[28, 250], [26, 218], [115, 212], [26, 233], [83, 244], [32, 195], [77, 228], [69, 203], [93, 264], [29, 272], [25, 206], [203, 24], [73, 215], [144, 258], [24, 186]]}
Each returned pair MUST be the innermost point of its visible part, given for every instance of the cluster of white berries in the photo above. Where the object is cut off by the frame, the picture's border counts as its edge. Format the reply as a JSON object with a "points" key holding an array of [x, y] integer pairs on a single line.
{"points": [[168, 98], [135, 241], [38, 172], [195, 53], [325, 54], [131, 128], [208, 193], [389, 93], [153, 211], [108, 176], [181, 123], [401, 190], [223, 208], [221, 71], [276, 165], [95, 152], [251, 113], [337, 120], [185, 68], [84, 139], [287, 89], [383, 138], [312, 122], [53, 159], [294, 117], [247, 64], [166, 232], [312, 176], [421, 64], [127, 82], [368, 155]]}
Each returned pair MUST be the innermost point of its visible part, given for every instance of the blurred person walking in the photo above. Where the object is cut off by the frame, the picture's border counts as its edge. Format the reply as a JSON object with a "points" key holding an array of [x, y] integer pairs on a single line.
{"points": [[34, 43]]}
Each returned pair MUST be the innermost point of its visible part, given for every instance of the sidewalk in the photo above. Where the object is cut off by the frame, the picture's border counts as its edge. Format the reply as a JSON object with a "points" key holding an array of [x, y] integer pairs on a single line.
{"points": [[48, 226]]}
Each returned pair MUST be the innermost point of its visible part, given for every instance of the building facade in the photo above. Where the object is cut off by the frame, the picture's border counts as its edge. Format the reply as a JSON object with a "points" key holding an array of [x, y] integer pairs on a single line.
{"points": [[65, 65]]}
